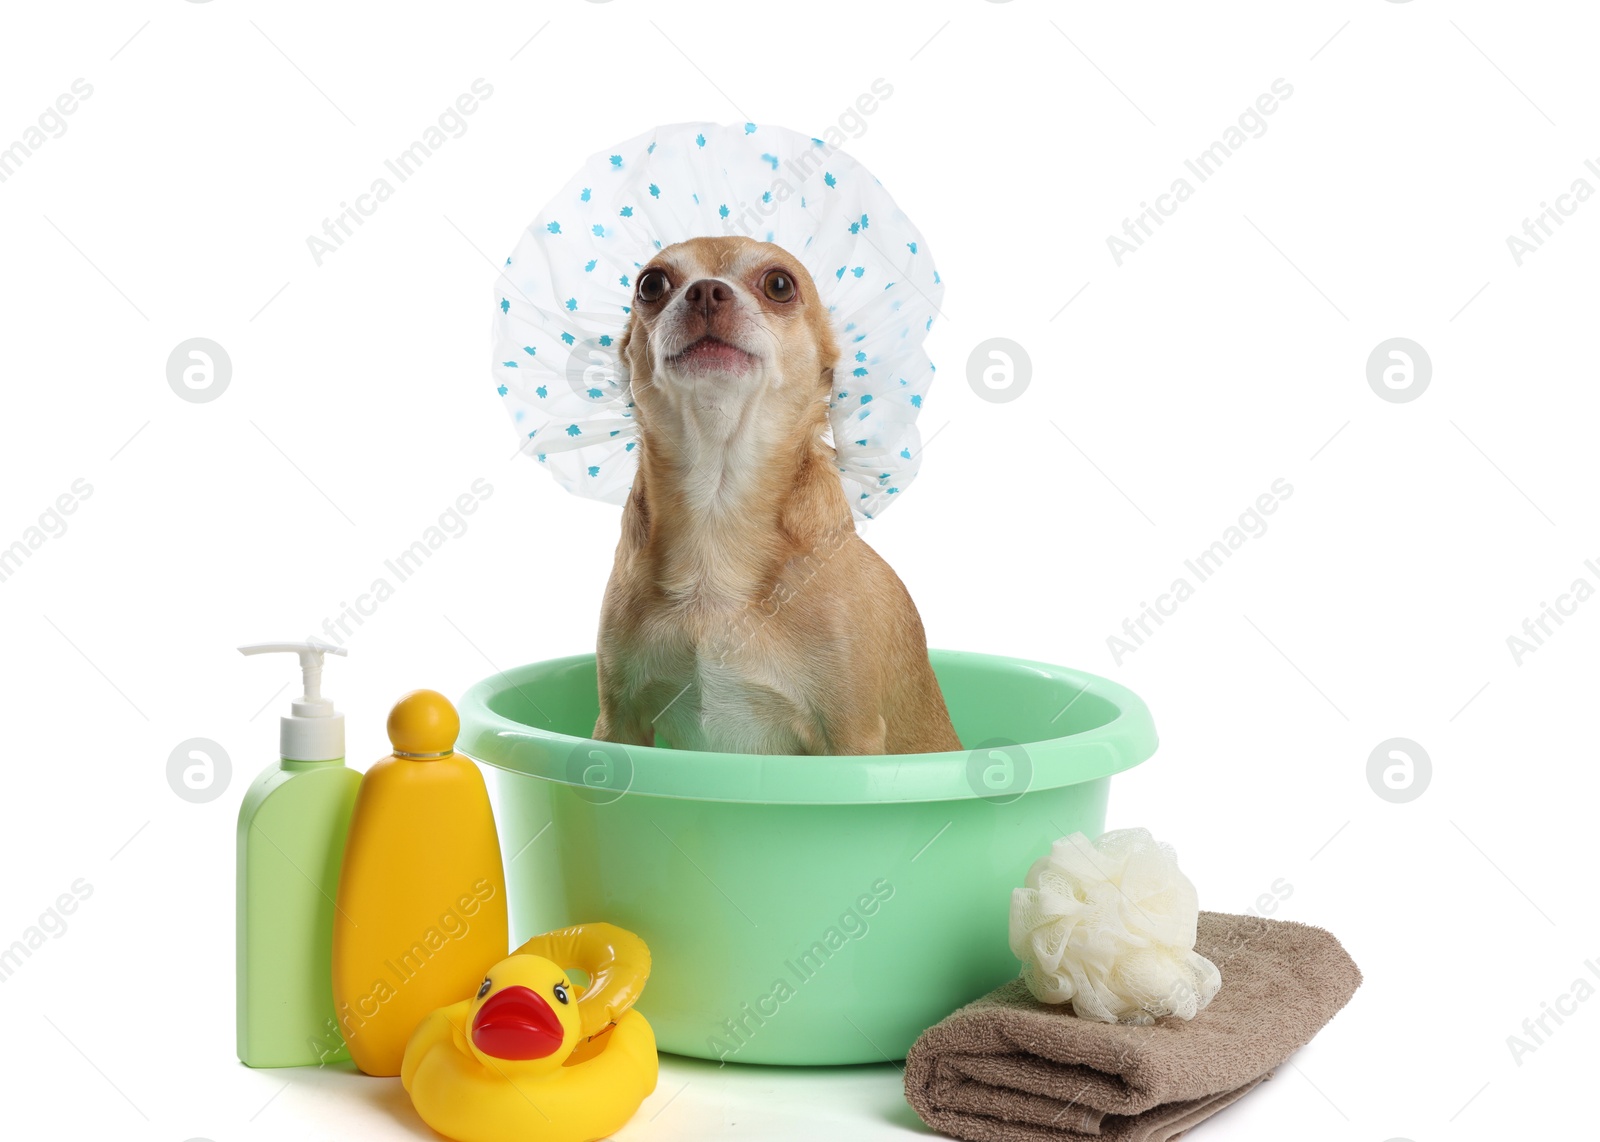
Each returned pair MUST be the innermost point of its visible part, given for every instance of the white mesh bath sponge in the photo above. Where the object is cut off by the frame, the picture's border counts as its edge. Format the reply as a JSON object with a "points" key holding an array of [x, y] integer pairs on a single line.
{"points": [[562, 299], [1109, 927]]}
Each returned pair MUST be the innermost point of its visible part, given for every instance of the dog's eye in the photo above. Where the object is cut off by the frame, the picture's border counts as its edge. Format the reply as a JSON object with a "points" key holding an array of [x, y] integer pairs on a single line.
{"points": [[778, 286], [653, 285]]}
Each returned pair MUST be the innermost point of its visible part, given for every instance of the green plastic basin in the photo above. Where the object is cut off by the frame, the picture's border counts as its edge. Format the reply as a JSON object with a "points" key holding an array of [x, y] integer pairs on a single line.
{"points": [[800, 910]]}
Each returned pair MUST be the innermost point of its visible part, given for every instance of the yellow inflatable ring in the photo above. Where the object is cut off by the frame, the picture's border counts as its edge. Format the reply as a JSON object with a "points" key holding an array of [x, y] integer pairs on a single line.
{"points": [[616, 961]]}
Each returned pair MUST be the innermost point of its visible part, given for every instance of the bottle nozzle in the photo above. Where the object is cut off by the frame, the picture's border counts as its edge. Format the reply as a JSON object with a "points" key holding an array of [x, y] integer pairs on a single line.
{"points": [[310, 664], [299, 738]]}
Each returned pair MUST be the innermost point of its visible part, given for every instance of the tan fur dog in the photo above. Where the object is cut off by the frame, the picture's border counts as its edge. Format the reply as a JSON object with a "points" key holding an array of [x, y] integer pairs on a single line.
{"points": [[744, 614]]}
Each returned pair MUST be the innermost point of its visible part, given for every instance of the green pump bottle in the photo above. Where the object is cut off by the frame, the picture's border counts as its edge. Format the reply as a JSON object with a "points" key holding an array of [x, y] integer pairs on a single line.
{"points": [[292, 828]]}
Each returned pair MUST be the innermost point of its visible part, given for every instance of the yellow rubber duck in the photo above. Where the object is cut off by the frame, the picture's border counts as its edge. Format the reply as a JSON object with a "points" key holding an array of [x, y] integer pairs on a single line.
{"points": [[532, 1057]]}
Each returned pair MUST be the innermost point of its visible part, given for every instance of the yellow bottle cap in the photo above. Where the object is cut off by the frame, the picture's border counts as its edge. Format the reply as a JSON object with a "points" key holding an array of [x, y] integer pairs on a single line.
{"points": [[423, 724]]}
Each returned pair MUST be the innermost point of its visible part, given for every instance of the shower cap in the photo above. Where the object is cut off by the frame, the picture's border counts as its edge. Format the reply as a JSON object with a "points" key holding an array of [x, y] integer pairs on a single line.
{"points": [[562, 299]]}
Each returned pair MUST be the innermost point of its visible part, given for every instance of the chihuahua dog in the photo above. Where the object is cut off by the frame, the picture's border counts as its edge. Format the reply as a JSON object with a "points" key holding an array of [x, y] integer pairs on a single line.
{"points": [[744, 614]]}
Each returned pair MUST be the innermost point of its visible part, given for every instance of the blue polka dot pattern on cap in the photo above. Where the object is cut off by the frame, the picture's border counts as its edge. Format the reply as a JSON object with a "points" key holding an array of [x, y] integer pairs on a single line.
{"points": [[562, 299]]}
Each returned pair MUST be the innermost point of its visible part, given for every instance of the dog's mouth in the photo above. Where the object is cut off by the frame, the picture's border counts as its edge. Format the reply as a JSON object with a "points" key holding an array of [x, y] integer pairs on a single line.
{"points": [[711, 355]]}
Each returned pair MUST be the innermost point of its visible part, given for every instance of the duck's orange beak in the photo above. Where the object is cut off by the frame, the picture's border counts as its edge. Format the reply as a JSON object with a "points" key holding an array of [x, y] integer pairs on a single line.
{"points": [[516, 1023]]}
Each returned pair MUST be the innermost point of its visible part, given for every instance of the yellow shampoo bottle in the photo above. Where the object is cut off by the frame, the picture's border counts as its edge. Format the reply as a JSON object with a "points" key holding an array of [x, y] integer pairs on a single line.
{"points": [[422, 899]]}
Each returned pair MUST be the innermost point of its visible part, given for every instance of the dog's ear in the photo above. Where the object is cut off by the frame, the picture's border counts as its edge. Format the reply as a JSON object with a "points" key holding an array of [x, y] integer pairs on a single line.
{"points": [[827, 378]]}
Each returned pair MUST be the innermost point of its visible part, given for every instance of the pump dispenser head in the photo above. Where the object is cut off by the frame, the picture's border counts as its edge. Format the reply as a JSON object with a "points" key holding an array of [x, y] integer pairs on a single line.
{"points": [[314, 730]]}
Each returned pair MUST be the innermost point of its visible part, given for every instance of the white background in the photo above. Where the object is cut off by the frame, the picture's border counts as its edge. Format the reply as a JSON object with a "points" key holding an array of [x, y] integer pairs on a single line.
{"points": [[1229, 352]]}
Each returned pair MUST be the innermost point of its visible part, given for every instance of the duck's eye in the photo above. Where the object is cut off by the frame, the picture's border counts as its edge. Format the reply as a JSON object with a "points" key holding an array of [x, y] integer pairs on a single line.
{"points": [[561, 992], [653, 285], [778, 286], [484, 989]]}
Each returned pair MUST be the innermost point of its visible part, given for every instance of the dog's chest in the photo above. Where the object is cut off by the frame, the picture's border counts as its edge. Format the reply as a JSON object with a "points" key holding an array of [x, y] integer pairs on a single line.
{"points": [[708, 682]]}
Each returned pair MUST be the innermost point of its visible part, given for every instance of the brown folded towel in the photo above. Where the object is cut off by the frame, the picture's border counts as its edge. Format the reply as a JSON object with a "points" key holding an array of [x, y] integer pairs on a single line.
{"points": [[1007, 1068]]}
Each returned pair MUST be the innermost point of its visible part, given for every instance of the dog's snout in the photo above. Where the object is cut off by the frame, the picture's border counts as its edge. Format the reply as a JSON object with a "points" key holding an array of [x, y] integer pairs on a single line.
{"points": [[708, 294]]}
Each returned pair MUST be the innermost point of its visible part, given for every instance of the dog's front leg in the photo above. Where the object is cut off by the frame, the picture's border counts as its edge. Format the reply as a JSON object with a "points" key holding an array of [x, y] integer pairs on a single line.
{"points": [[862, 734], [623, 724], [620, 720]]}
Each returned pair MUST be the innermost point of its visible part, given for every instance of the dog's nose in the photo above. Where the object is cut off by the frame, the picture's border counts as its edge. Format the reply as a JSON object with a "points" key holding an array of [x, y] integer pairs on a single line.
{"points": [[708, 294]]}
